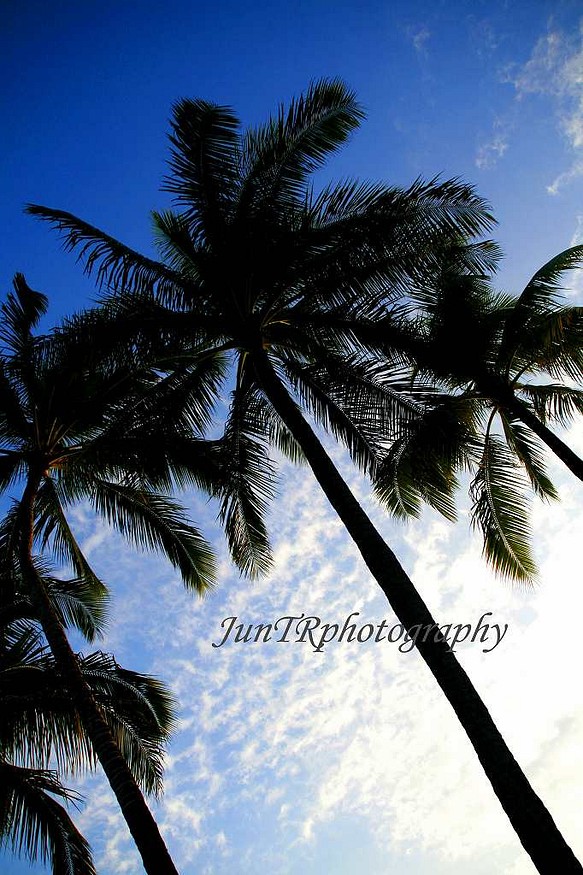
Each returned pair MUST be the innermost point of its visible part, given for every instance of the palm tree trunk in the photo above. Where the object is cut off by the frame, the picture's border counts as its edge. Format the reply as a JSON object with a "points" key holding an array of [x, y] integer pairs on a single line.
{"points": [[519, 409], [529, 817], [142, 826]]}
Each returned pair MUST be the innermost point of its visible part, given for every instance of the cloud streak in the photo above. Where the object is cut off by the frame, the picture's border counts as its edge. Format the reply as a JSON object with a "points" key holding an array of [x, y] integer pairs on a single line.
{"points": [[555, 70]]}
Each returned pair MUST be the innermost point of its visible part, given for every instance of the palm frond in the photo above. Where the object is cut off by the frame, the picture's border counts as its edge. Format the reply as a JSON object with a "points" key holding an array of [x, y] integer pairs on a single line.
{"points": [[52, 529], [553, 402], [361, 403], [34, 824], [12, 466], [551, 342], [421, 464], [40, 721], [174, 241], [204, 165], [14, 424], [277, 434], [140, 712], [21, 313], [526, 446], [247, 483], [153, 521], [79, 605], [542, 292], [384, 249], [500, 511], [113, 265], [279, 156]]}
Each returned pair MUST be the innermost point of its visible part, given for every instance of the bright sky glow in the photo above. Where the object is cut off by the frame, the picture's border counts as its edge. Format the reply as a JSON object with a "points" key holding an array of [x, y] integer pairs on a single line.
{"points": [[346, 761]]}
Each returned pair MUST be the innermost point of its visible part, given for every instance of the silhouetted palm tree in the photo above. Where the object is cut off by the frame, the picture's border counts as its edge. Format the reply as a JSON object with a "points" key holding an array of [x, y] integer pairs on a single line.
{"points": [[70, 417], [41, 728], [256, 263], [503, 367]]}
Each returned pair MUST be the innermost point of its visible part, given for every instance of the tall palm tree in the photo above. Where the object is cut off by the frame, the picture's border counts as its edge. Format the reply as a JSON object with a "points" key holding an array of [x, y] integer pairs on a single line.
{"points": [[76, 423], [256, 262], [40, 726], [502, 367]]}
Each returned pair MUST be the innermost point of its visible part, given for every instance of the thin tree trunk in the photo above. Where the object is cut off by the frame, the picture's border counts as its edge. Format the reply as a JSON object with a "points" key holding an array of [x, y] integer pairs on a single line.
{"points": [[554, 443], [528, 816], [142, 826]]}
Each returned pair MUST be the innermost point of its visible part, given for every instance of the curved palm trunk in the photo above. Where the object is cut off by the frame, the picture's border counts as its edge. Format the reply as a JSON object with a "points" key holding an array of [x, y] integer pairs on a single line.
{"points": [[142, 826], [554, 443], [529, 817]]}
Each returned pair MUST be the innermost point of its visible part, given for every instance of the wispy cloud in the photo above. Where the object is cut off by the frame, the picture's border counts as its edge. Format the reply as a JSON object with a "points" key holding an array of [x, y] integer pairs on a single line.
{"points": [[490, 152], [419, 37], [555, 69]]}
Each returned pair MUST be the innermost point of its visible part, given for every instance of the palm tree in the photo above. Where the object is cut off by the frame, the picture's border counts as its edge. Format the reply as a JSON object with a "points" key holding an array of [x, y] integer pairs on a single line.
{"points": [[40, 725], [32, 821], [502, 367], [256, 263], [75, 423]]}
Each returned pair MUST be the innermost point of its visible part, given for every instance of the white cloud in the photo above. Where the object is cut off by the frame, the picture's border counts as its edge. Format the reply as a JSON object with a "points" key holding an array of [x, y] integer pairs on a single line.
{"points": [[419, 37], [490, 152], [555, 69]]}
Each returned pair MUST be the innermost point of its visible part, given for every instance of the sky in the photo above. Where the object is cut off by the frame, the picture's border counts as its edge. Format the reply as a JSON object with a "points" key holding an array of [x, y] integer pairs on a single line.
{"points": [[346, 760]]}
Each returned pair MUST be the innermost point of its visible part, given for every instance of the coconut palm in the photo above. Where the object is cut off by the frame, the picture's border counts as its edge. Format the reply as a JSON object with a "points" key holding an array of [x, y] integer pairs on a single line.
{"points": [[32, 821], [34, 824], [76, 424], [40, 726], [504, 366], [254, 261]]}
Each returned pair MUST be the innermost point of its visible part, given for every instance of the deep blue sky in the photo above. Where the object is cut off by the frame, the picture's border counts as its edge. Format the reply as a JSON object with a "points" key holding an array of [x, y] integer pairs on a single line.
{"points": [[87, 91]]}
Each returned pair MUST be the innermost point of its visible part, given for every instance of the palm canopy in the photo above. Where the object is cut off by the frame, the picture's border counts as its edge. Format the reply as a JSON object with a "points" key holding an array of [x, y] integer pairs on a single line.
{"points": [[41, 728], [88, 426], [501, 368], [257, 263]]}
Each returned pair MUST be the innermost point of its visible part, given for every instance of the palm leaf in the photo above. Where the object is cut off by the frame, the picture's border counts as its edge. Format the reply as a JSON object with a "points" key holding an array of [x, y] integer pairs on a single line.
{"points": [[421, 464], [21, 313], [540, 295], [78, 605], [277, 434], [500, 511], [355, 401], [34, 824], [554, 402], [552, 342], [247, 482], [12, 467], [111, 263], [153, 521], [204, 165], [52, 528], [40, 722], [280, 155], [526, 446], [140, 713]]}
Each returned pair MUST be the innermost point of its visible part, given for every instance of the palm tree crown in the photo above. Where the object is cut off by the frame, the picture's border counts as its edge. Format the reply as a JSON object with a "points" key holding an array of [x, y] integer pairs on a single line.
{"points": [[501, 368], [41, 728], [257, 264]]}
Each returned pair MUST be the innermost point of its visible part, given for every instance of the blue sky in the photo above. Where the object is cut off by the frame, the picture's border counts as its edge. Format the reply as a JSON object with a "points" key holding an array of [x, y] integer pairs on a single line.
{"points": [[345, 761]]}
